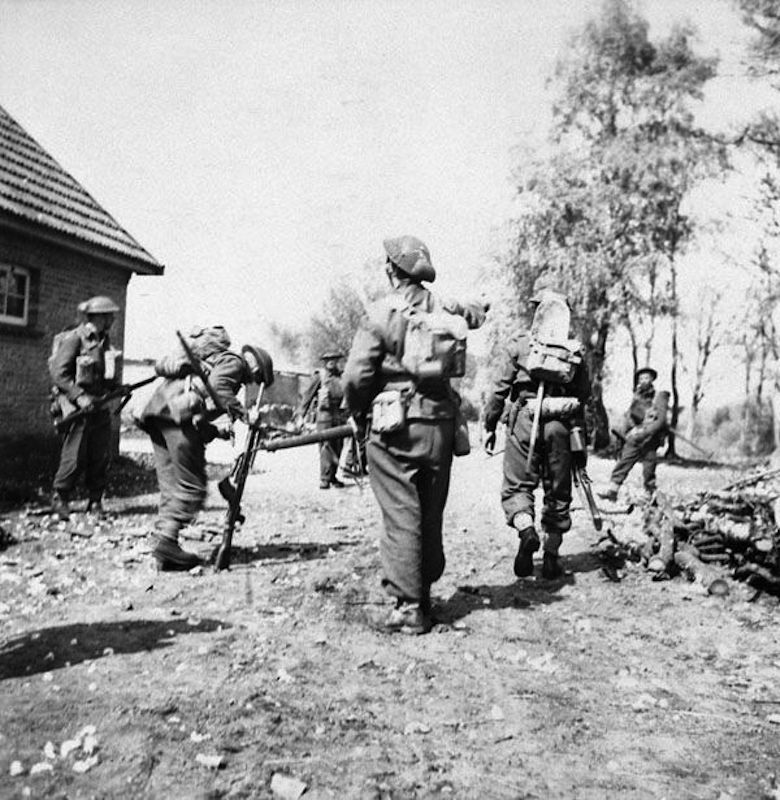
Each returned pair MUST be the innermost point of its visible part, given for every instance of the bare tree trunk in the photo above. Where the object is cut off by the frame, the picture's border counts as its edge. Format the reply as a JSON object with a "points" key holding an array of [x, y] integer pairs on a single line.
{"points": [[670, 448], [596, 358]]}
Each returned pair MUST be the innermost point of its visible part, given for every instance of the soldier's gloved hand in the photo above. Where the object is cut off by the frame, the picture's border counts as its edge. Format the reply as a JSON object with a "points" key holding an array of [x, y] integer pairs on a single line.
{"points": [[253, 416], [490, 442], [85, 402]]}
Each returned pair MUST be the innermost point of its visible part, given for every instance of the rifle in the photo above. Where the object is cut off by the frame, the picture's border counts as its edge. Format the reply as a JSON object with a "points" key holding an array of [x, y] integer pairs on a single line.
{"points": [[583, 483], [622, 440], [257, 439], [581, 478], [233, 493], [124, 391]]}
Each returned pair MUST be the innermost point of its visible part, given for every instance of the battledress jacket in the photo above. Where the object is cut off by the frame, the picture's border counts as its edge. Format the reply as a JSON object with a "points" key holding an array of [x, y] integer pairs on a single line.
{"points": [[226, 373], [82, 340], [374, 359], [516, 384]]}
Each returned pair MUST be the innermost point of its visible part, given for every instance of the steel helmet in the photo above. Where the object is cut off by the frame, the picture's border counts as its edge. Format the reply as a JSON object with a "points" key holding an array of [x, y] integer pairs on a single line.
{"points": [[259, 364], [100, 304], [411, 256]]}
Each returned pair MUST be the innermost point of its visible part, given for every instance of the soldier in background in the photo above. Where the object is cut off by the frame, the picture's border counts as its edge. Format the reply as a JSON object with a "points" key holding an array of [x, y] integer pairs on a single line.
{"points": [[412, 437], [551, 460], [83, 367], [641, 433], [181, 419], [324, 401]]}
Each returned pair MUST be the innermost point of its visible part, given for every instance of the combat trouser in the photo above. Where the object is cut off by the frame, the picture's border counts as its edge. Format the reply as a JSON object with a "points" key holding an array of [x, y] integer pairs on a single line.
{"points": [[85, 448], [180, 462], [409, 471], [330, 453], [551, 461], [630, 454]]}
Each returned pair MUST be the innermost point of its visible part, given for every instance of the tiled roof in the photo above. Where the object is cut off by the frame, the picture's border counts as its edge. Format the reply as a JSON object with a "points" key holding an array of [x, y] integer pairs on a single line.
{"points": [[35, 188]]}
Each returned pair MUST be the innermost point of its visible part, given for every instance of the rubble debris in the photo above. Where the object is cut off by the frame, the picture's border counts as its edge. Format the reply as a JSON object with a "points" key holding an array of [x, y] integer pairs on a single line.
{"points": [[210, 761], [287, 787], [84, 765], [715, 535]]}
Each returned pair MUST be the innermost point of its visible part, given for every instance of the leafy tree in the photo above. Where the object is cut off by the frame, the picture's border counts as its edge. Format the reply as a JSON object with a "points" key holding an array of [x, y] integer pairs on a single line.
{"points": [[335, 325], [603, 211]]}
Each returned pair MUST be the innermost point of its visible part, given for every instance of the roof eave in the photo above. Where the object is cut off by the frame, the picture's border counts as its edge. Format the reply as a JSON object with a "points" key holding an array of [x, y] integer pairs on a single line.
{"points": [[28, 228]]}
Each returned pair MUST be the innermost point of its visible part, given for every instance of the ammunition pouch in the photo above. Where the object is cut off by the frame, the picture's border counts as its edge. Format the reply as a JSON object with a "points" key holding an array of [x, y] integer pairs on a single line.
{"points": [[388, 411]]}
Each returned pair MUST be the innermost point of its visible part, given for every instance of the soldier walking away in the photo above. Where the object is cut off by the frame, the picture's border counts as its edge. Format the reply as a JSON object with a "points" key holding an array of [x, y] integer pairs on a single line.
{"points": [[181, 417], [326, 397], [83, 367], [641, 433], [413, 411], [562, 409]]}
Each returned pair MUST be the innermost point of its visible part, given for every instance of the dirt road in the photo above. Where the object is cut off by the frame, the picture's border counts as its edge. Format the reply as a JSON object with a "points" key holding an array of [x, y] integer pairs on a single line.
{"points": [[210, 685]]}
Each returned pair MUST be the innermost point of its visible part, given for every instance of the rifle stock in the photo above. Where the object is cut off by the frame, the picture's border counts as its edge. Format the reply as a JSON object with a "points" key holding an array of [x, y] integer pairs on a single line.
{"points": [[123, 391]]}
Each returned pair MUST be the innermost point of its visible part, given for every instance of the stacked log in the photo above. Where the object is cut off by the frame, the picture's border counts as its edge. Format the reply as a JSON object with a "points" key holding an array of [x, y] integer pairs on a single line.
{"points": [[732, 532]]}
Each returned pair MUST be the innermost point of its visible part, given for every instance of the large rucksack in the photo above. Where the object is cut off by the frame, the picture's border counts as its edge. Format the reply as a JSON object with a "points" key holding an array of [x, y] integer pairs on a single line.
{"points": [[434, 344]]}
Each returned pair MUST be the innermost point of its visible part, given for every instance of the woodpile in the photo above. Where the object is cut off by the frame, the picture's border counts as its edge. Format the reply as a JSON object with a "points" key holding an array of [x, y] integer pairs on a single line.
{"points": [[717, 535]]}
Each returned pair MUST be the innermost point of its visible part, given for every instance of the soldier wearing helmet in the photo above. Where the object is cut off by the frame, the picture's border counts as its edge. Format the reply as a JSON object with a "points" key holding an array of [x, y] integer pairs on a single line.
{"points": [[517, 385], [82, 367], [181, 418], [409, 464]]}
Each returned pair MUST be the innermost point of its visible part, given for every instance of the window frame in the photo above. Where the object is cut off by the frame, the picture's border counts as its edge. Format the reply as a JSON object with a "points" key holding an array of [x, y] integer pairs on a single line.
{"points": [[7, 319]]}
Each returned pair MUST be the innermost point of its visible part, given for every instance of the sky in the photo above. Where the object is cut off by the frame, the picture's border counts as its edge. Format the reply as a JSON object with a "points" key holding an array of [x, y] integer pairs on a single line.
{"points": [[262, 149]]}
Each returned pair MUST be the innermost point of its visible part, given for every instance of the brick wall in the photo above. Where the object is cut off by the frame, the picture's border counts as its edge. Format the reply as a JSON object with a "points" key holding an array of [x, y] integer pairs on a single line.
{"points": [[61, 279]]}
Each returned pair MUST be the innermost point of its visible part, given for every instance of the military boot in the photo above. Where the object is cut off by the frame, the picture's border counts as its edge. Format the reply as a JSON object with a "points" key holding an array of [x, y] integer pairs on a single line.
{"points": [[528, 545], [60, 505], [551, 567], [611, 494], [171, 558], [410, 618], [95, 507]]}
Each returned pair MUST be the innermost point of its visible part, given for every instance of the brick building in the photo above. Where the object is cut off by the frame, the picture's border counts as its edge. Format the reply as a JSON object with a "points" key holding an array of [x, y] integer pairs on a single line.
{"points": [[57, 248]]}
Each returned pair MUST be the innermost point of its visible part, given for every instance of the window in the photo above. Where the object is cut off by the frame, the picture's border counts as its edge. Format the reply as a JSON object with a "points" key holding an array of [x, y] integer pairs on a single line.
{"points": [[14, 294]]}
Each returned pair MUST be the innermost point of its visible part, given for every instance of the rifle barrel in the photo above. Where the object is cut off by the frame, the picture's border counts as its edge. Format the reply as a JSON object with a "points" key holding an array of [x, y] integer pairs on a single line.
{"points": [[339, 432], [125, 389]]}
